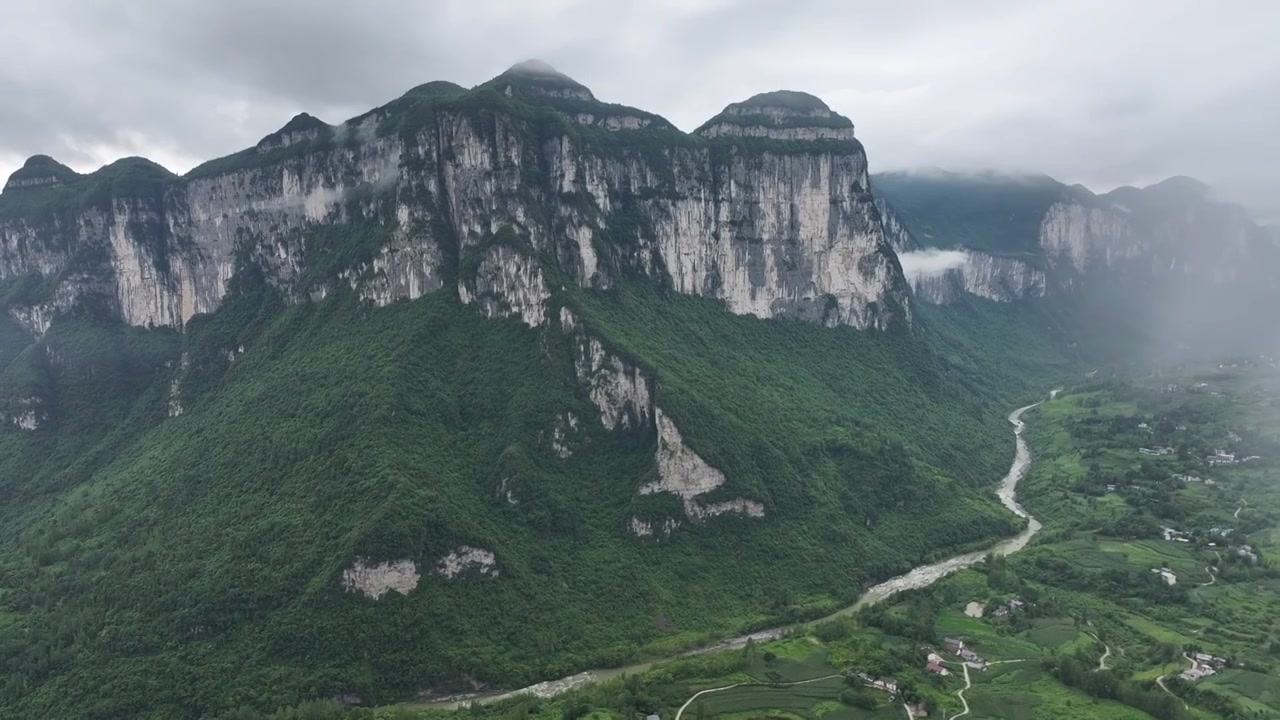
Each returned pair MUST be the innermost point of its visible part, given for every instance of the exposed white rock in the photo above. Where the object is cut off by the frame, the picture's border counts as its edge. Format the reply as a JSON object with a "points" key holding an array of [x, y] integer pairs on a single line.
{"points": [[946, 275], [568, 321], [175, 397], [613, 123], [466, 558], [646, 528], [769, 234], [27, 419], [1083, 234], [682, 472], [619, 390], [508, 283], [779, 235], [777, 133], [377, 580], [564, 425]]}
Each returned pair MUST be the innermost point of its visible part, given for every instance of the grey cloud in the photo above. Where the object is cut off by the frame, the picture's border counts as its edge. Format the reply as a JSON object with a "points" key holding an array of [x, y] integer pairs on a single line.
{"points": [[1088, 91]]}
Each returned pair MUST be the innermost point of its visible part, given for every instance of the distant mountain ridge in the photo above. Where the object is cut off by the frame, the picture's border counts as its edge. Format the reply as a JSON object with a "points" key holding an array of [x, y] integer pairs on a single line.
{"points": [[1171, 249]]}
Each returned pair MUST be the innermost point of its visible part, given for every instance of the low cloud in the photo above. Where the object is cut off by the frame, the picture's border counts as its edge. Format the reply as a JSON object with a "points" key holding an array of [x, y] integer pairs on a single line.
{"points": [[928, 263]]}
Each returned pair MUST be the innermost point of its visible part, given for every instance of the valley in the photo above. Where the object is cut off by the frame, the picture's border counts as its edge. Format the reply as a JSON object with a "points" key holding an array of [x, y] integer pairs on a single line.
{"points": [[1076, 625], [487, 386]]}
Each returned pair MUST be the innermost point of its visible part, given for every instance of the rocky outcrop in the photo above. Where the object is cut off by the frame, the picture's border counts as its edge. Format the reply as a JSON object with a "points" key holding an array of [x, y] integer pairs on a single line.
{"points": [[508, 282], [779, 115], [682, 472], [465, 559], [767, 209], [377, 580], [619, 390], [565, 425]]}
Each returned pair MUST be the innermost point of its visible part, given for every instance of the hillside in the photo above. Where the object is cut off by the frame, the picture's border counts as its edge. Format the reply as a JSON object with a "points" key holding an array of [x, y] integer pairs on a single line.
{"points": [[479, 388]]}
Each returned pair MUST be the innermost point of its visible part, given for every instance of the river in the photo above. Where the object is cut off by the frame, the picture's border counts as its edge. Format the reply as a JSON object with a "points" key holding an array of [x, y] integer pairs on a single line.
{"points": [[919, 577]]}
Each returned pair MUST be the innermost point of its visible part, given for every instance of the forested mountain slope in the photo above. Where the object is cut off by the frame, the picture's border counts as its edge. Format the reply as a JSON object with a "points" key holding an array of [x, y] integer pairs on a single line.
{"points": [[483, 386]]}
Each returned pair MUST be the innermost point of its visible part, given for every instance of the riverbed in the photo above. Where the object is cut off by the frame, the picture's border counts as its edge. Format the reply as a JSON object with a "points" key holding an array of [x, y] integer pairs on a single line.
{"points": [[919, 577]]}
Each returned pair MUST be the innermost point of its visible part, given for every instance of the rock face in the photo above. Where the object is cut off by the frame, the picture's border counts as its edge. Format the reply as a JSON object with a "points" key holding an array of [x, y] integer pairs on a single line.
{"points": [[464, 559], [624, 396], [684, 473], [990, 277], [374, 581], [766, 208], [945, 276]]}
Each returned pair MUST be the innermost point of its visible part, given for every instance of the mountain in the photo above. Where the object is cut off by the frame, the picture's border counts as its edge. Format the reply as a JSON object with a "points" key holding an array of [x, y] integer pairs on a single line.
{"points": [[477, 388], [1172, 262], [767, 210]]}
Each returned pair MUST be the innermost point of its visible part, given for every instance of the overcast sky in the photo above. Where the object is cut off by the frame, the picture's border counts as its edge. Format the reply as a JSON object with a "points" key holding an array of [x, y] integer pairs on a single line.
{"points": [[1100, 92]]}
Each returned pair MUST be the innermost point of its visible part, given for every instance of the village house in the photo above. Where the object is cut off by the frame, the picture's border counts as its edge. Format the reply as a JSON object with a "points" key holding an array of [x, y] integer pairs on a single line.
{"points": [[1221, 457], [1197, 672], [1207, 659], [973, 659], [918, 710], [1111, 487], [1246, 552], [1175, 535], [1167, 575], [952, 645], [937, 669], [887, 684]]}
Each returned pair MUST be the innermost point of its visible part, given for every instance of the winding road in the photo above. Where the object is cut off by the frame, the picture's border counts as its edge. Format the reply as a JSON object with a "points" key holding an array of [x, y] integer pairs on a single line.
{"points": [[700, 693], [960, 694], [919, 577], [1160, 682]]}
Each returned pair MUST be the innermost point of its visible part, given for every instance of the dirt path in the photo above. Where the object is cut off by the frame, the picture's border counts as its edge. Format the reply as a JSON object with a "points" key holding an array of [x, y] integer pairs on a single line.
{"points": [[1160, 682], [753, 682], [1106, 651], [1243, 502], [960, 694]]}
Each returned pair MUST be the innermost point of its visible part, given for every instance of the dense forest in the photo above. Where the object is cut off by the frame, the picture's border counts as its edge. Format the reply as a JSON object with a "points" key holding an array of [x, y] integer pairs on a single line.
{"points": [[193, 563]]}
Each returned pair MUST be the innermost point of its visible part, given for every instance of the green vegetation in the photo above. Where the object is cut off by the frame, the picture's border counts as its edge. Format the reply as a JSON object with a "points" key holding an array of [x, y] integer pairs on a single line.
{"points": [[193, 564], [993, 213]]}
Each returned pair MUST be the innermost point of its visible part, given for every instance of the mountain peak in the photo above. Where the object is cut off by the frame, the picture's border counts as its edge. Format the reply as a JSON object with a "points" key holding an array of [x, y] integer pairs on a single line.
{"points": [[780, 115], [40, 171], [538, 77], [303, 126], [793, 100]]}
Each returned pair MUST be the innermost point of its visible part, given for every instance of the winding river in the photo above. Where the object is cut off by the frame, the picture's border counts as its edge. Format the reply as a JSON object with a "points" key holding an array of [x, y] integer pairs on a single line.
{"points": [[919, 577]]}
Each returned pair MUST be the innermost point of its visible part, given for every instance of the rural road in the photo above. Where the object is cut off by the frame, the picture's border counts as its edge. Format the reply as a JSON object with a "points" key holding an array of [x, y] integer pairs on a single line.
{"points": [[960, 694], [1106, 652], [1160, 682], [920, 577], [1243, 502], [727, 687]]}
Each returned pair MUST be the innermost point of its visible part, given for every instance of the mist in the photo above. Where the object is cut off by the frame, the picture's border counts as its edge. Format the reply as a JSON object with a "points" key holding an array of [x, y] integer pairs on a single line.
{"points": [[931, 262]]}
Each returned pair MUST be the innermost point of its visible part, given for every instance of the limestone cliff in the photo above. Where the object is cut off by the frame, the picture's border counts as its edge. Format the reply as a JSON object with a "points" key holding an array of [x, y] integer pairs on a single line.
{"points": [[1004, 237], [766, 208]]}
